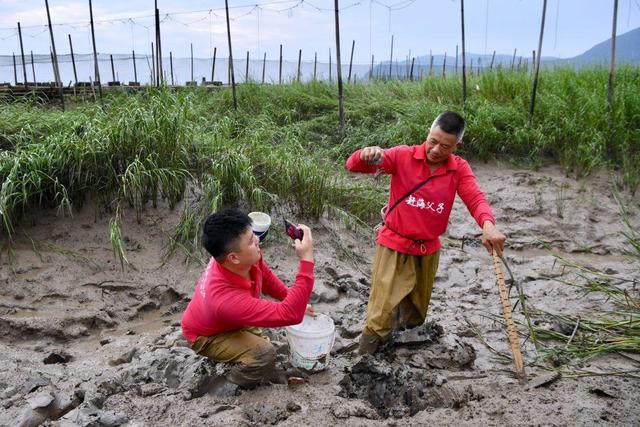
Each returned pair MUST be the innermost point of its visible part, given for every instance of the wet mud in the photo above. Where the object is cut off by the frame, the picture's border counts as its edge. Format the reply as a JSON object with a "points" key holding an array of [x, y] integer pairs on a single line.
{"points": [[400, 384], [84, 343]]}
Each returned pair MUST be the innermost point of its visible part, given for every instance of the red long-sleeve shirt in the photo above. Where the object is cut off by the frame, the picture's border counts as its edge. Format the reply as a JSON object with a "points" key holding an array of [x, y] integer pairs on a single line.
{"points": [[223, 301], [423, 215]]}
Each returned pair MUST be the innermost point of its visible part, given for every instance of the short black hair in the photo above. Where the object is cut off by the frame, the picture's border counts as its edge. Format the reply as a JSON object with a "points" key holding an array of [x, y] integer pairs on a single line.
{"points": [[221, 229], [451, 122]]}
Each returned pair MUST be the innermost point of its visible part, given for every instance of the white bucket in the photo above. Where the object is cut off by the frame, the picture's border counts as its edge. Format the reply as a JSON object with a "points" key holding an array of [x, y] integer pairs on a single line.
{"points": [[260, 223], [311, 341]]}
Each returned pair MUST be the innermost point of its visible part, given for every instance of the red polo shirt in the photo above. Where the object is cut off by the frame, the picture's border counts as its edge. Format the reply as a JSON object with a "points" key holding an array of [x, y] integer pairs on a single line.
{"points": [[224, 301], [423, 215]]}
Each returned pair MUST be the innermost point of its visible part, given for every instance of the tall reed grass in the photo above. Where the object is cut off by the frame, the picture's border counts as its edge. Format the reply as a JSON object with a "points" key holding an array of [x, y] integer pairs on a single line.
{"points": [[281, 149]]}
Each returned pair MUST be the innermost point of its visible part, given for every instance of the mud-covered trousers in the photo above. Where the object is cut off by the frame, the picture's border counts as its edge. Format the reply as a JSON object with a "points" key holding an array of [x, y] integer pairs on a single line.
{"points": [[252, 354], [401, 287]]}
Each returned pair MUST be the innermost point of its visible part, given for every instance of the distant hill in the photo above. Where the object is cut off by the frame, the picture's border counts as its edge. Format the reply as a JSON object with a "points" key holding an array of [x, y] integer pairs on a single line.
{"points": [[627, 51]]}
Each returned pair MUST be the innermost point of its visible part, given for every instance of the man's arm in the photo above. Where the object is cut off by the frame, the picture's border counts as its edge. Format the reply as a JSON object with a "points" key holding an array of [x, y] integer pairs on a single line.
{"points": [[479, 208], [262, 313], [369, 160], [290, 311]]}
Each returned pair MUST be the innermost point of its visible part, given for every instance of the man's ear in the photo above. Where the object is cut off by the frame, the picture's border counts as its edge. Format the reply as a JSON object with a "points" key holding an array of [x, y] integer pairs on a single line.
{"points": [[232, 258]]}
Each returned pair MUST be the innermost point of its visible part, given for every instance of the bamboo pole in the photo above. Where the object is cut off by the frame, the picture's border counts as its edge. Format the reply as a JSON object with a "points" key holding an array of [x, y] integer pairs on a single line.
{"points": [[280, 68], [160, 79], [340, 93], [413, 60], [610, 83], [456, 59], [444, 66], [329, 65], [493, 58], [153, 65], [537, 62], [264, 66], [55, 55], [513, 61], [15, 69], [113, 71], [315, 65], [246, 70], [33, 70], [391, 58], [371, 69], [233, 78], [408, 65], [213, 64], [533, 55], [464, 68], [24, 63], [53, 65], [96, 68], [135, 68], [512, 333], [171, 66], [73, 60], [353, 45], [299, 65]]}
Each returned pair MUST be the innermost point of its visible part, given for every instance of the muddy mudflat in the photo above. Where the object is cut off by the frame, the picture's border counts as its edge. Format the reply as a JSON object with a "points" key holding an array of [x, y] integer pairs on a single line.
{"points": [[83, 342]]}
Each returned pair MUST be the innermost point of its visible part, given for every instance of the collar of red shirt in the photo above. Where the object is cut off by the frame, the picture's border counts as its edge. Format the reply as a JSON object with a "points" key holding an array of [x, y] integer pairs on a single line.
{"points": [[419, 153], [234, 278]]}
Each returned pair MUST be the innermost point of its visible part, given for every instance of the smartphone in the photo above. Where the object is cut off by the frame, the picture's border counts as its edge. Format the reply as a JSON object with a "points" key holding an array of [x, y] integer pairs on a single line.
{"points": [[293, 231]]}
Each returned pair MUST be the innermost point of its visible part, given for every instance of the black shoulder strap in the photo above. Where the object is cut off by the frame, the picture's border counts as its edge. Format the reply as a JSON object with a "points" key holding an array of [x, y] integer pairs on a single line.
{"points": [[397, 202]]}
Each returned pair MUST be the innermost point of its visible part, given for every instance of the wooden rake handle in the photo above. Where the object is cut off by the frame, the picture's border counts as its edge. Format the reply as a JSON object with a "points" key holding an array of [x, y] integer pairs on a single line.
{"points": [[512, 334]]}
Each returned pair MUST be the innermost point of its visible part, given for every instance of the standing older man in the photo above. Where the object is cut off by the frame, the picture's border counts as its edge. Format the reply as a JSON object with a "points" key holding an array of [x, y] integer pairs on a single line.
{"points": [[425, 179]]}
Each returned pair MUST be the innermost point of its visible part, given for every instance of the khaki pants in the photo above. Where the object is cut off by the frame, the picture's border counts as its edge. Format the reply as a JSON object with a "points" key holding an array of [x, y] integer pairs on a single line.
{"points": [[252, 353], [400, 290]]}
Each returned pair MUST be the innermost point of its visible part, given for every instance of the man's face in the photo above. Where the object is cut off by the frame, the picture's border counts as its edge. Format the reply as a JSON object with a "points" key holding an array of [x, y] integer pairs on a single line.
{"points": [[439, 145], [247, 249]]}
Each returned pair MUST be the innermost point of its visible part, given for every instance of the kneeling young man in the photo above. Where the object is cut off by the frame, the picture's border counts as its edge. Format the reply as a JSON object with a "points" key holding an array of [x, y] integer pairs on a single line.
{"points": [[222, 320], [425, 179]]}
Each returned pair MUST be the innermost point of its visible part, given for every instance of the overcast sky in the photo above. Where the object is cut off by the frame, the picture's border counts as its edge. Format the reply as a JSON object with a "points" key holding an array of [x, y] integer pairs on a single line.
{"points": [[571, 27]]}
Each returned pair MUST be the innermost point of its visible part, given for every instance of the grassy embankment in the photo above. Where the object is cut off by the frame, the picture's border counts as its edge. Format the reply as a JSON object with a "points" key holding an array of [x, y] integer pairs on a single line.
{"points": [[280, 148]]}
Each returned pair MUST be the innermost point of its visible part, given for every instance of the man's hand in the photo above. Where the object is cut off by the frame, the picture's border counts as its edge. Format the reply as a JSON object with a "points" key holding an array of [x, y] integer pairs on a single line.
{"points": [[372, 155], [304, 247], [310, 311], [492, 239]]}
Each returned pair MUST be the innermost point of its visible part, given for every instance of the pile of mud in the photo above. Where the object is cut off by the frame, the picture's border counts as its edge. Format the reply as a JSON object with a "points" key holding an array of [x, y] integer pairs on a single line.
{"points": [[400, 382]]}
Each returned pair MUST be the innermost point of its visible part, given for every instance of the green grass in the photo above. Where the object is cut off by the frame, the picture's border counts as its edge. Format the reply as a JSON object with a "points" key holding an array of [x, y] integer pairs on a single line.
{"points": [[281, 150]]}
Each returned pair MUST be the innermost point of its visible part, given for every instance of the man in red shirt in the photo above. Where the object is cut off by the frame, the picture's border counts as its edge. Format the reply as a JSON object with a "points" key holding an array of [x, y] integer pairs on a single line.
{"points": [[224, 315], [424, 181]]}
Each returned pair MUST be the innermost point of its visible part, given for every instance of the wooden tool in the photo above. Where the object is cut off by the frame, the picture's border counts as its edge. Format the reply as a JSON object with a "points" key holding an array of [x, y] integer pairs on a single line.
{"points": [[512, 334]]}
